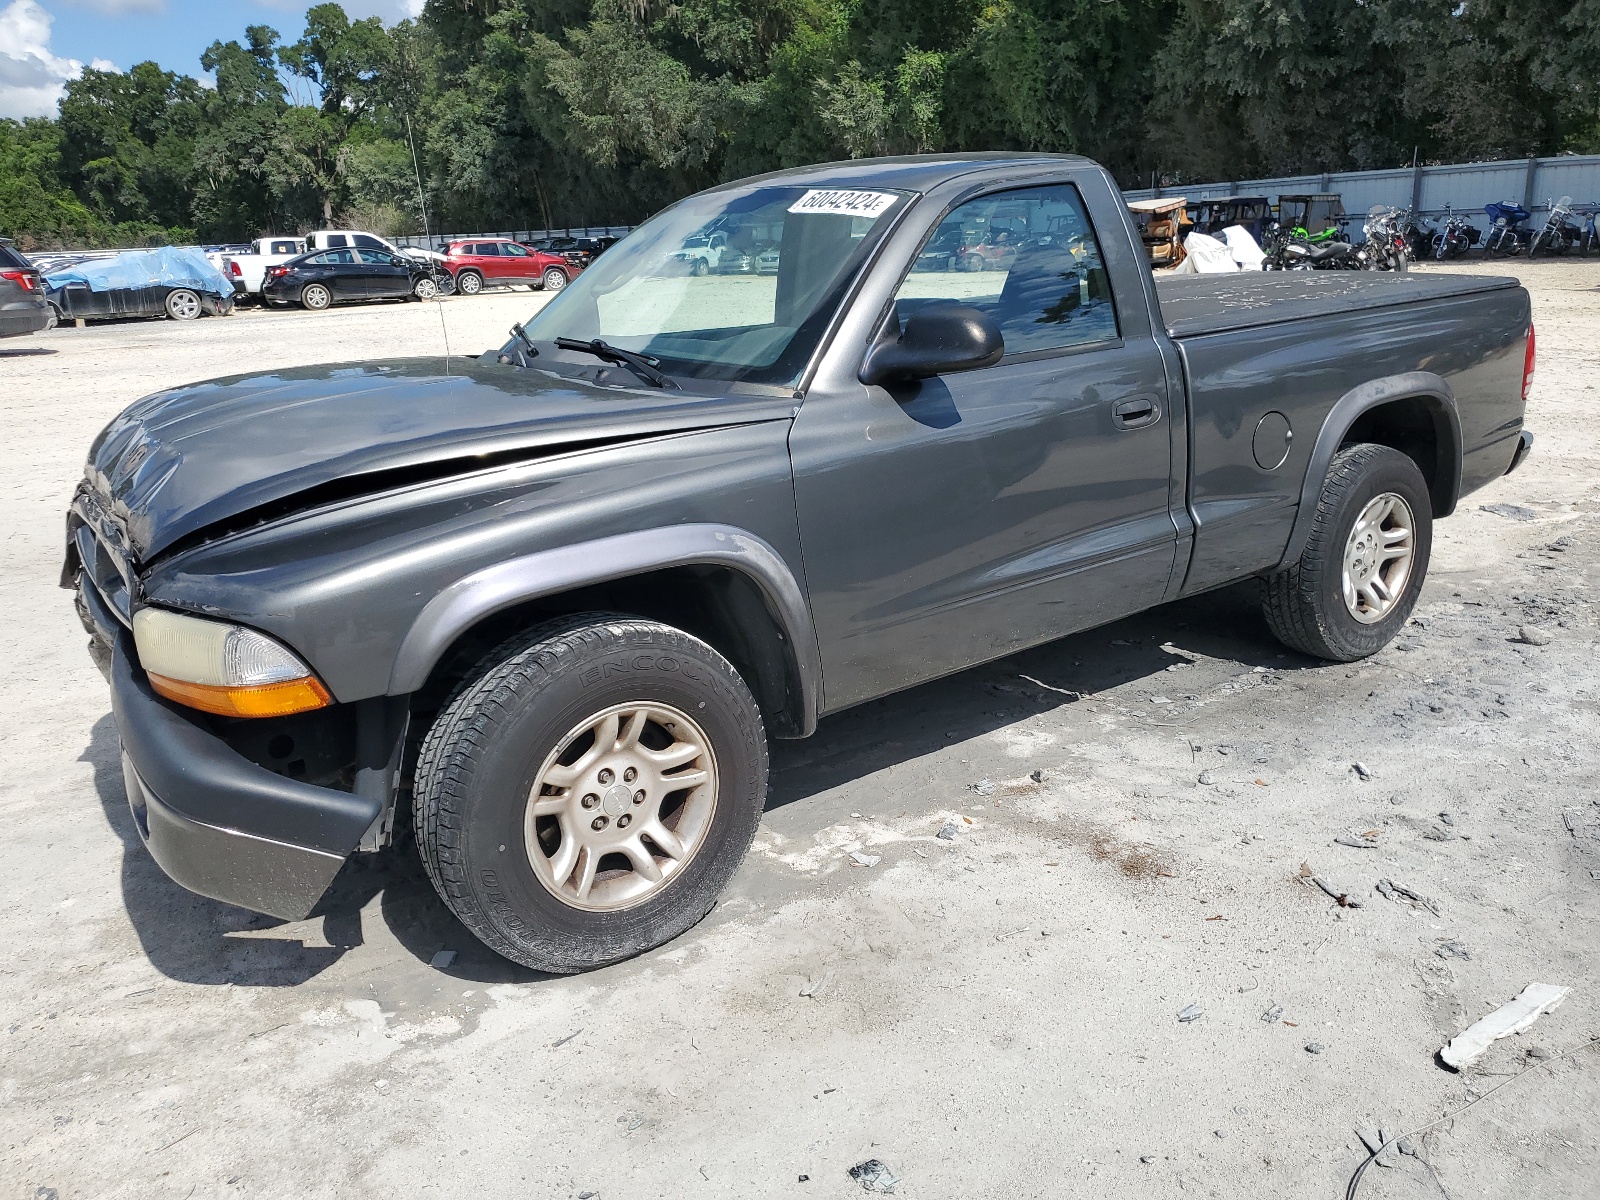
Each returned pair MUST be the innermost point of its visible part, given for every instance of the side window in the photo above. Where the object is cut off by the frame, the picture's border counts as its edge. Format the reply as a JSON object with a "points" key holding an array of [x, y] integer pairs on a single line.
{"points": [[334, 258], [1029, 259], [338, 239], [512, 250], [380, 257], [486, 250], [367, 242]]}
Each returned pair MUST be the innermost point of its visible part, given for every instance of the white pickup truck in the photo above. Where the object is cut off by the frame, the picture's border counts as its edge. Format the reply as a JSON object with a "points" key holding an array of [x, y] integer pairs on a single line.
{"points": [[249, 271]]}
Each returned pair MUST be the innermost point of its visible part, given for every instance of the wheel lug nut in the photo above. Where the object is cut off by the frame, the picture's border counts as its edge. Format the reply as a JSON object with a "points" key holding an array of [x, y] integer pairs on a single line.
{"points": [[606, 776], [598, 824], [638, 797], [629, 775], [591, 800], [624, 820]]}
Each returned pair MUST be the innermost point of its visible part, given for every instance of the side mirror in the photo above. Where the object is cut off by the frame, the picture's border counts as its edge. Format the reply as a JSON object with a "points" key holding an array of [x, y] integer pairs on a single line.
{"points": [[937, 339]]}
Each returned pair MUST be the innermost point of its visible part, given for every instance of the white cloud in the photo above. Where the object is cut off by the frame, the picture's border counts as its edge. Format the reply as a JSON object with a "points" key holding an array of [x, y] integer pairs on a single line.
{"points": [[32, 80]]}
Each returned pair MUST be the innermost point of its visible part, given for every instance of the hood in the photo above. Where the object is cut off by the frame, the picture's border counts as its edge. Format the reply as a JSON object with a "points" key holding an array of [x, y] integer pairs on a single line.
{"points": [[179, 461]]}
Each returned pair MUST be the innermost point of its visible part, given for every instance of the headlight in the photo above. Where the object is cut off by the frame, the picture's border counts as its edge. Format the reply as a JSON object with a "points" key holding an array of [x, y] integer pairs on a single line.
{"points": [[222, 668]]}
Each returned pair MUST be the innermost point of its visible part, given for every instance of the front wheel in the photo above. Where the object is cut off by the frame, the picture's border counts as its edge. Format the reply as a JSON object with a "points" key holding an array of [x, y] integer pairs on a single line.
{"points": [[555, 279], [424, 288], [1359, 576], [183, 305], [589, 790]]}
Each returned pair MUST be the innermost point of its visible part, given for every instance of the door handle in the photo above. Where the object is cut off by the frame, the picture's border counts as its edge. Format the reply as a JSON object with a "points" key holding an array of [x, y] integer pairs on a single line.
{"points": [[1135, 414]]}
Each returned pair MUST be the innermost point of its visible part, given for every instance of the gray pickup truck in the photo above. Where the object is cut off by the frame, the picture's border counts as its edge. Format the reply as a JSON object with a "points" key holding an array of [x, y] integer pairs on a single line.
{"points": [[543, 608]]}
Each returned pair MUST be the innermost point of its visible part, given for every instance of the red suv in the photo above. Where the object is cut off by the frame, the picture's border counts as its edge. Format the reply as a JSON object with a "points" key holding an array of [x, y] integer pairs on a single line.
{"points": [[500, 262]]}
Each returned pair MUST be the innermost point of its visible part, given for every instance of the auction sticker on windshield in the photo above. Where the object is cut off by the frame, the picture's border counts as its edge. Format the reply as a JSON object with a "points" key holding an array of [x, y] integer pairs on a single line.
{"points": [[843, 203]]}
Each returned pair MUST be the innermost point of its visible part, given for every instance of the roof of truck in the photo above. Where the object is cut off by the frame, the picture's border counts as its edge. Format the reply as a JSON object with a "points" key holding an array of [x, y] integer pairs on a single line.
{"points": [[911, 172]]}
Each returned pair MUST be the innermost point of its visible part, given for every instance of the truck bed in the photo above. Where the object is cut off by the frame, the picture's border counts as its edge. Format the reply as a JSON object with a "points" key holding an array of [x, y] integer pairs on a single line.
{"points": [[1195, 305]]}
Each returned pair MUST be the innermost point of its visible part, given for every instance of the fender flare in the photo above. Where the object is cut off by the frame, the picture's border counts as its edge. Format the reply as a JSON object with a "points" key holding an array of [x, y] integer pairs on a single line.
{"points": [[548, 572], [1440, 402]]}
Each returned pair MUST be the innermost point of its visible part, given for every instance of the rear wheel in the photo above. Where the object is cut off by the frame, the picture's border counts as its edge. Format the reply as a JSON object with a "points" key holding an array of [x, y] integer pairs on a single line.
{"points": [[555, 279], [183, 305], [1359, 576], [316, 297], [469, 283], [589, 790]]}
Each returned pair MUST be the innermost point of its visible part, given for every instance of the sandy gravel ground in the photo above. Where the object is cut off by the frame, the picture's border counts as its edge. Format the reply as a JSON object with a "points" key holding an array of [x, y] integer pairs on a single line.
{"points": [[993, 1016]]}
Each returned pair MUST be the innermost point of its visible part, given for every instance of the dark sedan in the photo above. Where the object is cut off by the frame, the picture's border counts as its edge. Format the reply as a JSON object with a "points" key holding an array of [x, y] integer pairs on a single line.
{"points": [[327, 277], [23, 308]]}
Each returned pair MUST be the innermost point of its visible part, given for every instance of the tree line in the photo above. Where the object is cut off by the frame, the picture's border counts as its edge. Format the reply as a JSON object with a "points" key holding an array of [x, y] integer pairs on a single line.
{"points": [[550, 113]]}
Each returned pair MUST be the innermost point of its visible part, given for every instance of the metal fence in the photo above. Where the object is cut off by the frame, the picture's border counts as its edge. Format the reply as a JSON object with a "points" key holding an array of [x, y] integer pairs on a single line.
{"points": [[1462, 187], [440, 240]]}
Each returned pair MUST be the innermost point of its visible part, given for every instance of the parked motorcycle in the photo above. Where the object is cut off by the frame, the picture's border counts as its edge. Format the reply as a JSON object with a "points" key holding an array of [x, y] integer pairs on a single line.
{"points": [[1507, 233], [1418, 232], [1387, 248], [1297, 255], [1559, 233], [1590, 242], [1455, 237]]}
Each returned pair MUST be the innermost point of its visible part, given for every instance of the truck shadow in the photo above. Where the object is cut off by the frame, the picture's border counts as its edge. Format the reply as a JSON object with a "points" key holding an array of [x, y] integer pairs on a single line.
{"points": [[196, 940]]}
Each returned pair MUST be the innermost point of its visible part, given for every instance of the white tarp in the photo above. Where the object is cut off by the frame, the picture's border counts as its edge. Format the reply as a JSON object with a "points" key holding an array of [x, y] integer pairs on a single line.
{"points": [[1243, 247], [1205, 256], [1236, 250]]}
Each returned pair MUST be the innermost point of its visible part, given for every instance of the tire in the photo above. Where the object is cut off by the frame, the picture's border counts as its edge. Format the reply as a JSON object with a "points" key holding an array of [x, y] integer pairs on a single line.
{"points": [[469, 283], [1305, 606], [1534, 243], [183, 305], [424, 288], [975, 262], [316, 297], [701, 267], [499, 739], [555, 279]]}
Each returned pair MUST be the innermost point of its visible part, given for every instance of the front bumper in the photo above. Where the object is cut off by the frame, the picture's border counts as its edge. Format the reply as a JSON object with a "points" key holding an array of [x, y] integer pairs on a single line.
{"points": [[219, 824]]}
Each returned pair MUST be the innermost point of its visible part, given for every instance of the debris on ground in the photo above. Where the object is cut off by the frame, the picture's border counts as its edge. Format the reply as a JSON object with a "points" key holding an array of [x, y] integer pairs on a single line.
{"points": [[1315, 1047], [874, 1176], [1191, 1012], [1531, 1003], [984, 787], [1359, 843], [1516, 512], [947, 831], [1206, 778], [1532, 635], [442, 959], [1363, 772], [1375, 1140], [1451, 949], [865, 860], [1036, 775], [1394, 891], [1273, 1015], [1439, 834], [816, 987], [1147, 1158], [1343, 898]]}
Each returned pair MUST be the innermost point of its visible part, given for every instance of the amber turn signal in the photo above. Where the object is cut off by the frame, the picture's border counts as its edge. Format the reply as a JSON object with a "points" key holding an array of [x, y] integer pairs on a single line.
{"points": [[262, 700]]}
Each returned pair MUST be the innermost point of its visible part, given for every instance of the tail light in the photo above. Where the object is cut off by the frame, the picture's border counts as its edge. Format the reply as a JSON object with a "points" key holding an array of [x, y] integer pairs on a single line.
{"points": [[276, 272], [1527, 367], [26, 280], [233, 269]]}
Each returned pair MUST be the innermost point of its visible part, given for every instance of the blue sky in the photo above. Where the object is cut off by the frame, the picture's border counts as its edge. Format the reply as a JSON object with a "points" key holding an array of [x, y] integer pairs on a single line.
{"points": [[45, 42]]}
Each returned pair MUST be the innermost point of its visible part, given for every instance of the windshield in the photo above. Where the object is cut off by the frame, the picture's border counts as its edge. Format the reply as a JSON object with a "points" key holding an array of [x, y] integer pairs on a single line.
{"points": [[734, 285]]}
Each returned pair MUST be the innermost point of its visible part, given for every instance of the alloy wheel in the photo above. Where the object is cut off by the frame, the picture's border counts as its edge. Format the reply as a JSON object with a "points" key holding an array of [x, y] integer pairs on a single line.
{"points": [[1378, 557], [621, 805]]}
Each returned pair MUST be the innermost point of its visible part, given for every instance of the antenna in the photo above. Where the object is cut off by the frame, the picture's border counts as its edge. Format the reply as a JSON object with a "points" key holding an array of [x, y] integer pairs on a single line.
{"points": [[427, 236]]}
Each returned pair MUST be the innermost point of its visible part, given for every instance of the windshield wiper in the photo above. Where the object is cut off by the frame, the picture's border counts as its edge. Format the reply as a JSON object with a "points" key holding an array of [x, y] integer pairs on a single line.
{"points": [[644, 368]]}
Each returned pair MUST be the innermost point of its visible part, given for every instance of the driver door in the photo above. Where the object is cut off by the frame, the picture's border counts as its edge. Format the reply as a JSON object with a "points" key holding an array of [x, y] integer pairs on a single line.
{"points": [[953, 520]]}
